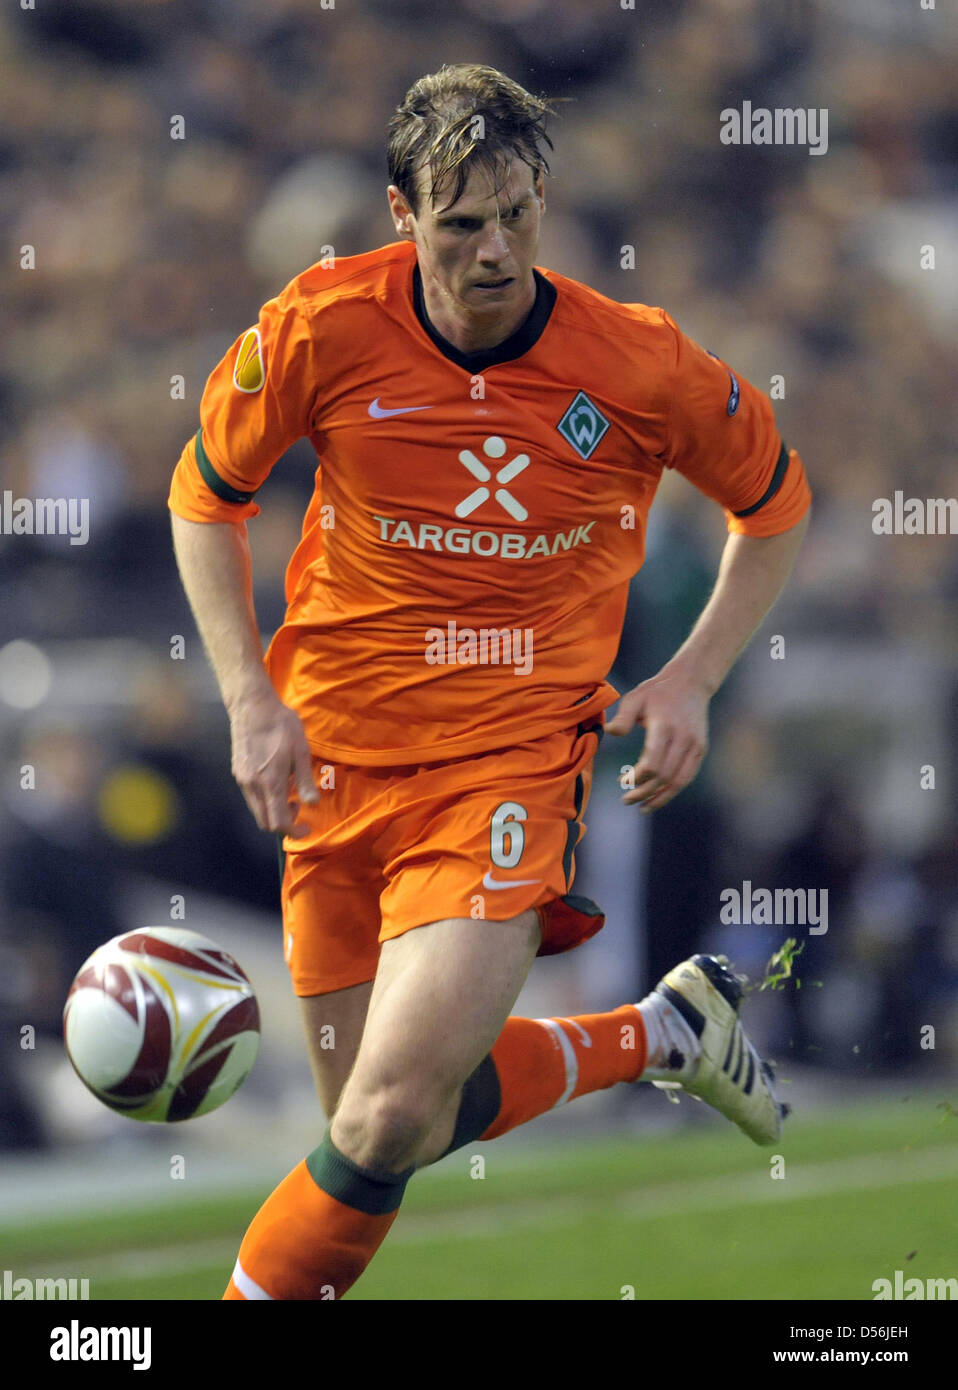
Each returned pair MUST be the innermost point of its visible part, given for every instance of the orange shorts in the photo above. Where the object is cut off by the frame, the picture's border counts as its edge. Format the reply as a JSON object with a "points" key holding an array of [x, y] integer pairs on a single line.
{"points": [[392, 848]]}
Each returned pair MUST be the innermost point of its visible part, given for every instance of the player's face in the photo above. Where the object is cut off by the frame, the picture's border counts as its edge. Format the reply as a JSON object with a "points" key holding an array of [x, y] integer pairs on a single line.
{"points": [[476, 255]]}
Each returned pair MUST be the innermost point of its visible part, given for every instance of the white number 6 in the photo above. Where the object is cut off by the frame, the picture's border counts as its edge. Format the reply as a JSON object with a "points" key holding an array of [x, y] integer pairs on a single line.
{"points": [[506, 827]]}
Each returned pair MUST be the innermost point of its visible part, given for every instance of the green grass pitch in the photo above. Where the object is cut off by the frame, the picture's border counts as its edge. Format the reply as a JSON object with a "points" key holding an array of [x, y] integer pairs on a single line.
{"points": [[695, 1215]]}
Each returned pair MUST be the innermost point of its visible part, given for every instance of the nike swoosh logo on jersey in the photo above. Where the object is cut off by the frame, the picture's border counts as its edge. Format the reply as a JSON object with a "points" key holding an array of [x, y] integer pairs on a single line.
{"points": [[379, 412], [490, 882]]}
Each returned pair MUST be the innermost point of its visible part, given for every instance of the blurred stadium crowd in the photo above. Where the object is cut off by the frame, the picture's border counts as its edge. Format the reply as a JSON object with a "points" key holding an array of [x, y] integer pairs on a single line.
{"points": [[152, 253]]}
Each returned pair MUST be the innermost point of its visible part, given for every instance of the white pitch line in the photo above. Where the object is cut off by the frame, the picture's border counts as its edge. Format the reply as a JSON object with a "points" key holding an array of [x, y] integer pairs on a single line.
{"points": [[869, 1172]]}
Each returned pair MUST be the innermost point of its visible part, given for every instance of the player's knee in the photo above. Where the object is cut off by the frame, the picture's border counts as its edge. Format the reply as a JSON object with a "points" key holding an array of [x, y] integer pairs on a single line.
{"points": [[388, 1130]]}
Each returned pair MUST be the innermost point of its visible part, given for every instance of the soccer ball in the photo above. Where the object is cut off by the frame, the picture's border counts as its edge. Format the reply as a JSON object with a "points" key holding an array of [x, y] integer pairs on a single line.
{"points": [[161, 1025]]}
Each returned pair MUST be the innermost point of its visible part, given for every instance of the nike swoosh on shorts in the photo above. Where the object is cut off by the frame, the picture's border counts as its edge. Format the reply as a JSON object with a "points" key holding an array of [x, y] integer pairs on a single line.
{"points": [[490, 882]]}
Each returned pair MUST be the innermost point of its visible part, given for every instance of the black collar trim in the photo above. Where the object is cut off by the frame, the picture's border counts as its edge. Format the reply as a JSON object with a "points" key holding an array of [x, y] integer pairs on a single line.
{"points": [[526, 335]]}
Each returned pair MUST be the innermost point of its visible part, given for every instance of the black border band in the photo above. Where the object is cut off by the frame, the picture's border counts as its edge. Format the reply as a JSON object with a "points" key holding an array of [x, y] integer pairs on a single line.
{"points": [[373, 1191], [778, 477], [213, 480]]}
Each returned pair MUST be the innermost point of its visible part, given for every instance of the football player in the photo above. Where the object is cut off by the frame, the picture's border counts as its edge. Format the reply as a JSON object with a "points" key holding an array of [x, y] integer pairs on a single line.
{"points": [[490, 436]]}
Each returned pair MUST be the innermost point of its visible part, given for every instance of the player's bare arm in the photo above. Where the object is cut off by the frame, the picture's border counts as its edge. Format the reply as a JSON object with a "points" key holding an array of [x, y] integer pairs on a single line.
{"points": [[673, 705], [270, 752]]}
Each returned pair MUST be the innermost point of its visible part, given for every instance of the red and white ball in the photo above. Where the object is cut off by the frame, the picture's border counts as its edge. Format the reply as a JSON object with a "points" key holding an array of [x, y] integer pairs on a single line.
{"points": [[161, 1024]]}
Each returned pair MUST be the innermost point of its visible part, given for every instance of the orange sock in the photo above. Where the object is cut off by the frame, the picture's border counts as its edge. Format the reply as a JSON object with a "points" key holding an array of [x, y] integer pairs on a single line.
{"points": [[314, 1236], [539, 1063]]}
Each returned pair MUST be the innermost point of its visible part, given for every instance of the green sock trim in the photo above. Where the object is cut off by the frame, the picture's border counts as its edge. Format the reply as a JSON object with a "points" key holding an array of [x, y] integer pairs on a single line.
{"points": [[371, 1190], [480, 1104]]}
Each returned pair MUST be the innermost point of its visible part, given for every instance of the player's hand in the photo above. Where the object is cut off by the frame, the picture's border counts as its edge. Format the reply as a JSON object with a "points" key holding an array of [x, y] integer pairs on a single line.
{"points": [[673, 710], [272, 763]]}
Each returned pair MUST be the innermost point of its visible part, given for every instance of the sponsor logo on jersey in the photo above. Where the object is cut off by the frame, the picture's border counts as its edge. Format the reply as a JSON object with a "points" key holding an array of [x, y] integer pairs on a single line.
{"points": [[494, 448], [249, 374], [583, 425], [462, 540], [381, 412], [507, 545]]}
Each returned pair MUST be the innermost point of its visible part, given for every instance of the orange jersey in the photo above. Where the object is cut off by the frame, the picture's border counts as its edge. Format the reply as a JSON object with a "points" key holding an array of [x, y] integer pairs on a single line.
{"points": [[462, 576]]}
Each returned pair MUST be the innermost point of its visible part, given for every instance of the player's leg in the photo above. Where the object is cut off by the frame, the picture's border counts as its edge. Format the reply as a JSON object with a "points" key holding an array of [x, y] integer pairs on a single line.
{"points": [[502, 825], [685, 1034], [334, 1024], [322, 1225], [331, 924], [441, 997], [515, 834], [537, 1064]]}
